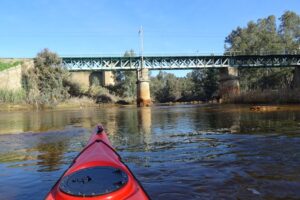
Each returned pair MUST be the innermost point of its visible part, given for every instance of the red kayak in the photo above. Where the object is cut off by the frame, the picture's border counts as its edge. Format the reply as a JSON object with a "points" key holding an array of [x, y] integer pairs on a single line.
{"points": [[97, 173]]}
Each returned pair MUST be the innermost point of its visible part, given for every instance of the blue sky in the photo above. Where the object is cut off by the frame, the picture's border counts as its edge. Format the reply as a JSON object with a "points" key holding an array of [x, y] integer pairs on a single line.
{"points": [[106, 27]]}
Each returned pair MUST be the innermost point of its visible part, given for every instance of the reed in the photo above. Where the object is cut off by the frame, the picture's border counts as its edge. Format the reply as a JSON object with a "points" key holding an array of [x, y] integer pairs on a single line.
{"points": [[12, 96], [281, 96]]}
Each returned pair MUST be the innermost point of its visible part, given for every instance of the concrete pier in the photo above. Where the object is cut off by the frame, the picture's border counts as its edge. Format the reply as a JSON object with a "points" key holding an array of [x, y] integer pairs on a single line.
{"points": [[108, 78], [86, 78], [143, 88], [82, 78], [229, 83]]}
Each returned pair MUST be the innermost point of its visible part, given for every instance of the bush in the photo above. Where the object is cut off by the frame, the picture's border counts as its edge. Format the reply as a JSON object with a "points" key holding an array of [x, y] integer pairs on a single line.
{"points": [[101, 94], [74, 88], [45, 83]]}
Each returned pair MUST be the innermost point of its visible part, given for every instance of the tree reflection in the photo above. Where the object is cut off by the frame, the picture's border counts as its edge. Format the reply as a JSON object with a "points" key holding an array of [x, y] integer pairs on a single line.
{"points": [[51, 155]]}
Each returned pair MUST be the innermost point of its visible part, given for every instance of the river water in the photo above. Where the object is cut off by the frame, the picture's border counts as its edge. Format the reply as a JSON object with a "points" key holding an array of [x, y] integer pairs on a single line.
{"points": [[177, 152]]}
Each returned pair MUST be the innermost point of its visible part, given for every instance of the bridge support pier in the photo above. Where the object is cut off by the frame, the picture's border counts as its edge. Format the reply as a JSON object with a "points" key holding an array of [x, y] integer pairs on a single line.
{"points": [[296, 78], [143, 88], [82, 78], [229, 83], [108, 78]]}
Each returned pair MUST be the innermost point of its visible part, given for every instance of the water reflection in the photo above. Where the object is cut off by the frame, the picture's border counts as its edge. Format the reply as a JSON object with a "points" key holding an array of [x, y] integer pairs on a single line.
{"points": [[51, 155], [177, 152], [144, 119]]}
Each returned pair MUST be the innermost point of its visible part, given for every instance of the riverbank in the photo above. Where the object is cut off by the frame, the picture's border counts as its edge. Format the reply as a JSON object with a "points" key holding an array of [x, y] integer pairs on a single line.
{"points": [[85, 103], [261, 101], [70, 103], [269, 97]]}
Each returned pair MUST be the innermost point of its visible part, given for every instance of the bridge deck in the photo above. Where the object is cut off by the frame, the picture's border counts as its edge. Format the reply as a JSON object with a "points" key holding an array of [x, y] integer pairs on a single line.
{"points": [[179, 62]]}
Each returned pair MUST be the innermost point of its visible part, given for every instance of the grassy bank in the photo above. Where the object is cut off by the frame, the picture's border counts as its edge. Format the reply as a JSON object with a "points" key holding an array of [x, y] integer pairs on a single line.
{"points": [[15, 105], [7, 65], [77, 103], [12, 96]]}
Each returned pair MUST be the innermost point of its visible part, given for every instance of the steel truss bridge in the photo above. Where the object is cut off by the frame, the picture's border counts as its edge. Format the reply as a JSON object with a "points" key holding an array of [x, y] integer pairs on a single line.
{"points": [[178, 62]]}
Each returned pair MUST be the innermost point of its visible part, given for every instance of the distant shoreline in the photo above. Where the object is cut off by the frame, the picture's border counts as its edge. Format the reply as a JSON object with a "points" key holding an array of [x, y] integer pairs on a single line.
{"points": [[260, 107]]}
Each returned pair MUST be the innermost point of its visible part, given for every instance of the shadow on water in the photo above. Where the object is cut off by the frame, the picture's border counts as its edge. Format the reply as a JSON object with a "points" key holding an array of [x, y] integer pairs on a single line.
{"points": [[177, 152]]}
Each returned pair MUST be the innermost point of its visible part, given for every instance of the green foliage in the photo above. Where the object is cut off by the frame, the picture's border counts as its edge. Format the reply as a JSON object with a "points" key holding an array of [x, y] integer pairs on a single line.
{"points": [[265, 37], [205, 83], [96, 90], [100, 94], [289, 31], [7, 65], [169, 88], [166, 87], [129, 53], [257, 38], [11, 96], [45, 83], [187, 89], [265, 78], [74, 88], [126, 84], [200, 84], [125, 81]]}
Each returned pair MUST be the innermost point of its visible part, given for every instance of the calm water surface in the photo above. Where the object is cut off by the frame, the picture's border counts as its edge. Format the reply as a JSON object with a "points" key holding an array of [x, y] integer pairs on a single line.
{"points": [[177, 152]]}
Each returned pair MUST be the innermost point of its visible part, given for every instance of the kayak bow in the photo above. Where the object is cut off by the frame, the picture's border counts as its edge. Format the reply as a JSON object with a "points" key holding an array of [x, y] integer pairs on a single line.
{"points": [[98, 173]]}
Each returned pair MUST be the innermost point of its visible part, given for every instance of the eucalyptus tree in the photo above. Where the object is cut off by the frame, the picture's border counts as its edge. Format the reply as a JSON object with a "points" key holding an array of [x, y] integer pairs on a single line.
{"points": [[265, 37]]}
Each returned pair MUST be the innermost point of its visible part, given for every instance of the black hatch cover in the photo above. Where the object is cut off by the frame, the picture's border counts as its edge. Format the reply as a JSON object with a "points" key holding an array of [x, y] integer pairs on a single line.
{"points": [[93, 181]]}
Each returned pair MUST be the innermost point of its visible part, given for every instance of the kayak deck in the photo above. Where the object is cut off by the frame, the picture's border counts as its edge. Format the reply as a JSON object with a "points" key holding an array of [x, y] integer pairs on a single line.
{"points": [[97, 173]]}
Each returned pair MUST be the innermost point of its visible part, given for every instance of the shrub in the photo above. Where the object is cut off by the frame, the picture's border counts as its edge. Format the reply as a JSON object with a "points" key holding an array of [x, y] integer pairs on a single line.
{"points": [[74, 88], [45, 83], [101, 94]]}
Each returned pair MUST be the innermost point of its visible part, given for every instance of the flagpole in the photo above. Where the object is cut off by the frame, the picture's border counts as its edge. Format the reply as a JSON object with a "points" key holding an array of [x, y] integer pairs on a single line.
{"points": [[141, 34]]}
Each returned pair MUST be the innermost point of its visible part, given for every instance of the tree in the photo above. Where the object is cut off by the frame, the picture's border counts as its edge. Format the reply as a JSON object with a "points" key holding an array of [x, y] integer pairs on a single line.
{"points": [[187, 88], [289, 31], [259, 37], [156, 85], [171, 91], [264, 37], [126, 80], [166, 87], [205, 83]]}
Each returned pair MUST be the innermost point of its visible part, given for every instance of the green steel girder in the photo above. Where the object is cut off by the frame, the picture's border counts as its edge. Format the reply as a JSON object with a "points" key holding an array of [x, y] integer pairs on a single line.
{"points": [[178, 62]]}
